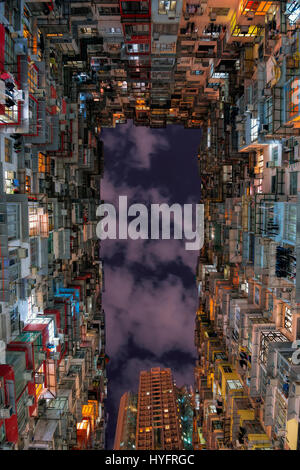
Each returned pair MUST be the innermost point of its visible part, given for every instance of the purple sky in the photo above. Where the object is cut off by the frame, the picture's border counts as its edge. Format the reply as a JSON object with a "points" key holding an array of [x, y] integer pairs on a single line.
{"points": [[150, 294]]}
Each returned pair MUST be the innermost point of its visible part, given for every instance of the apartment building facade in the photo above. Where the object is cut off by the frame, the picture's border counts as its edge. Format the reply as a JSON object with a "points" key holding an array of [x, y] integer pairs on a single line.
{"points": [[159, 417], [52, 325], [247, 325]]}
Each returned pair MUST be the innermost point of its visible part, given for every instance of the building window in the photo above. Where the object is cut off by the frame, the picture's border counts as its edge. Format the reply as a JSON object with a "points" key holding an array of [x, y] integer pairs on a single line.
{"points": [[275, 155], [11, 183], [14, 319], [137, 29], [234, 384], [268, 114], [32, 79], [259, 8], [293, 183], [114, 30], [12, 221], [42, 163], [293, 98], [288, 319], [10, 58], [8, 150], [33, 115], [254, 129], [290, 223], [27, 34], [166, 29], [165, 6], [270, 303], [256, 296], [135, 7], [136, 48]]}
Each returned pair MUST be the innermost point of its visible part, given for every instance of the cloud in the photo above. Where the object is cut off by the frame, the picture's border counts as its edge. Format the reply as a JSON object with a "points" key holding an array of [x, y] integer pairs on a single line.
{"points": [[158, 314], [142, 143], [145, 144], [150, 298]]}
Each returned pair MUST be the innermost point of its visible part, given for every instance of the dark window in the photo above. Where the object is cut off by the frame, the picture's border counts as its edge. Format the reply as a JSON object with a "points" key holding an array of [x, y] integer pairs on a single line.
{"points": [[293, 183]]}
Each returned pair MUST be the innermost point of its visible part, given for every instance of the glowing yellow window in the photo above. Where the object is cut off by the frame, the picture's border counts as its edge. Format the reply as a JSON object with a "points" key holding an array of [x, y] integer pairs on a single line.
{"points": [[32, 79], [42, 163]]}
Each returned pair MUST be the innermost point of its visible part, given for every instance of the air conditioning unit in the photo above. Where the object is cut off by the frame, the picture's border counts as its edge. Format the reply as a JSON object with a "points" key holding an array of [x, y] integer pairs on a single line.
{"points": [[273, 382], [22, 253], [30, 400], [6, 412], [213, 16], [270, 164], [244, 29], [28, 375], [171, 15], [250, 107], [20, 48], [155, 36], [267, 91], [39, 379], [40, 92]]}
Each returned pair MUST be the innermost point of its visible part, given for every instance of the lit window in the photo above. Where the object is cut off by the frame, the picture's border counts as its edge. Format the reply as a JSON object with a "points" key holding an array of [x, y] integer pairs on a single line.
{"points": [[234, 384], [32, 79], [8, 151], [165, 6]]}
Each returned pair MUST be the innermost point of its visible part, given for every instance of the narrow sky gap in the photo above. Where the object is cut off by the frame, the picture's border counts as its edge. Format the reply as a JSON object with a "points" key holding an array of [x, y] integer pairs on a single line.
{"points": [[151, 319]]}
